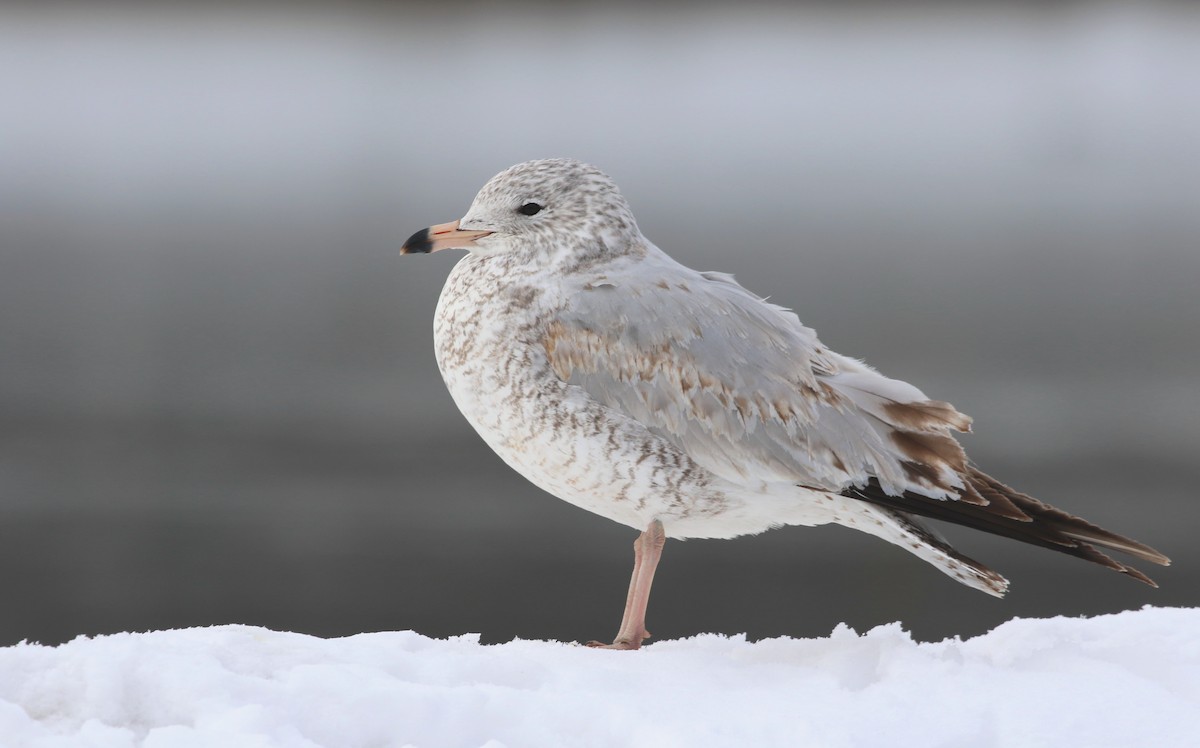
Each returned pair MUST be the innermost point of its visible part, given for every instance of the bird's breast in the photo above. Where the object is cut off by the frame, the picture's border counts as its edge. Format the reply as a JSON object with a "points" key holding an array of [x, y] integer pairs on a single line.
{"points": [[489, 334], [486, 336]]}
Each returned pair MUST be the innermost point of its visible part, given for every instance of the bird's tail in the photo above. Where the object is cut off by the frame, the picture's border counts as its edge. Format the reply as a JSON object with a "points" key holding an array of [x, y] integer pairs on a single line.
{"points": [[926, 544]]}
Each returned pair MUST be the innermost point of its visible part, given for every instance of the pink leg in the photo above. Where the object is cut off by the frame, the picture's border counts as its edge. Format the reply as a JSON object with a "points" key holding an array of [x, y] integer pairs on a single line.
{"points": [[647, 550]]}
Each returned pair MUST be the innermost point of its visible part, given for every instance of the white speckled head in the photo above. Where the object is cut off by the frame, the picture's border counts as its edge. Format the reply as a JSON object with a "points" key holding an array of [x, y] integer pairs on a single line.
{"points": [[552, 209]]}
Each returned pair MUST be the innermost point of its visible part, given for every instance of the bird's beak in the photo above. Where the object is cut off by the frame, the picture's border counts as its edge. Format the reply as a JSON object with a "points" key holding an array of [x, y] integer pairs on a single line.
{"points": [[441, 236]]}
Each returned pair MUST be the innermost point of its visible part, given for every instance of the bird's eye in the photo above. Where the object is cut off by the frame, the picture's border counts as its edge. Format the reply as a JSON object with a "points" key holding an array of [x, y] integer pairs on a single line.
{"points": [[529, 209]]}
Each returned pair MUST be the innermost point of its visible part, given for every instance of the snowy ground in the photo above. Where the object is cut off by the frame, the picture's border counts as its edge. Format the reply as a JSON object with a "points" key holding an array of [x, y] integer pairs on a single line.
{"points": [[1131, 679]]}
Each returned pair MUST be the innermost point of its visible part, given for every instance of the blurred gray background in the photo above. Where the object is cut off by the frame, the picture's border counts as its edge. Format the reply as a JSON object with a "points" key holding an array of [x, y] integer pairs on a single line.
{"points": [[218, 395]]}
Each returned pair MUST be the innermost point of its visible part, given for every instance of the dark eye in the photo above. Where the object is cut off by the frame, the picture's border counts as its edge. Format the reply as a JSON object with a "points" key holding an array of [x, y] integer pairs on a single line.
{"points": [[529, 209]]}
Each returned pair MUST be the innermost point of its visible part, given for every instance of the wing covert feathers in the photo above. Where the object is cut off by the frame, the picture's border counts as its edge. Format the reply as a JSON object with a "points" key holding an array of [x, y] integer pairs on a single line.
{"points": [[744, 389]]}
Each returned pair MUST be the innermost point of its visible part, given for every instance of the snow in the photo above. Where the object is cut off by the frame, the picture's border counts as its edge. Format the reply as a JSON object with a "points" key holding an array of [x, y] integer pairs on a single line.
{"points": [[1128, 679]]}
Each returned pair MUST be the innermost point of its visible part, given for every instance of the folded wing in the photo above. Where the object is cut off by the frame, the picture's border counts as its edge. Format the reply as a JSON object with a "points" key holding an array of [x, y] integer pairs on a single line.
{"points": [[747, 390]]}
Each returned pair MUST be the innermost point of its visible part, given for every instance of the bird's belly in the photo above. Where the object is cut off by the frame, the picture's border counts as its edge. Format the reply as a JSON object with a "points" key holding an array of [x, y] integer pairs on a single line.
{"points": [[573, 450]]}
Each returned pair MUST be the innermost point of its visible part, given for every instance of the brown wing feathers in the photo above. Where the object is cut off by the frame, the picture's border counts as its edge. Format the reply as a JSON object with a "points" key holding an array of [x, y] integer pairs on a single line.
{"points": [[1012, 514]]}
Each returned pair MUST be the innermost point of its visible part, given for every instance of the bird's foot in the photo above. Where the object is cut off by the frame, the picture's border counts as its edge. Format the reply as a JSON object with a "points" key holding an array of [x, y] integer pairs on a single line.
{"points": [[615, 645], [621, 642]]}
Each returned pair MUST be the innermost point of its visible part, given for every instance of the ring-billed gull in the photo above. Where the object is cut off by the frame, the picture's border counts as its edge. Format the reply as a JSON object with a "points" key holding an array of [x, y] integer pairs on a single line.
{"points": [[682, 405]]}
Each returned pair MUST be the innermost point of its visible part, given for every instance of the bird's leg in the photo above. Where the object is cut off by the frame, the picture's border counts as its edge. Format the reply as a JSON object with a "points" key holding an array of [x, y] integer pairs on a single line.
{"points": [[647, 550], [630, 599]]}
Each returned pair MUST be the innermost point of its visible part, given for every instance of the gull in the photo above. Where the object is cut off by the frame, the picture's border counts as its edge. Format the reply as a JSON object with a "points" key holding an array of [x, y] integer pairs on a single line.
{"points": [[684, 406]]}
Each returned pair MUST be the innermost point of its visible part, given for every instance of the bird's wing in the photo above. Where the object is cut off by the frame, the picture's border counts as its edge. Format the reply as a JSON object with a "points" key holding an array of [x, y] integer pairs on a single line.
{"points": [[744, 388]]}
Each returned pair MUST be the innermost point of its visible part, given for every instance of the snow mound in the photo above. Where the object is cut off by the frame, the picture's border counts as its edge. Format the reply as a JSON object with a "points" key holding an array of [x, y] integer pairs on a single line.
{"points": [[1130, 679]]}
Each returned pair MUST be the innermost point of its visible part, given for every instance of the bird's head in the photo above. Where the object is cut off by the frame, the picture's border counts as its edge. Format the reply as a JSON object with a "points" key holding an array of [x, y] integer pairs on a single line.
{"points": [[548, 210]]}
